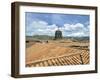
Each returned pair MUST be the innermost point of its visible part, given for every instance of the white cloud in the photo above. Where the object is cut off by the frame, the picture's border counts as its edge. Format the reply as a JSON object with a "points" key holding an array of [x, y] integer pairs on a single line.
{"points": [[79, 34], [39, 27], [77, 29], [73, 27], [52, 27]]}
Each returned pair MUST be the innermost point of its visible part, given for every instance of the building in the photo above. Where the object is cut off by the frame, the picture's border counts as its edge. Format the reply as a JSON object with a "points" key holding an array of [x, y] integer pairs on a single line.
{"points": [[58, 34]]}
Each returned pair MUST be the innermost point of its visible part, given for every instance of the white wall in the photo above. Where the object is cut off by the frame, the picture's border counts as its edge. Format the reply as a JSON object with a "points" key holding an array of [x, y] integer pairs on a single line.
{"points": [[5, 43]]}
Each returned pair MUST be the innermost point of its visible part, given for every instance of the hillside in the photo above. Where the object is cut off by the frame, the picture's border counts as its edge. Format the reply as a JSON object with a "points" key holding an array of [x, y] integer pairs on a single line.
{"points": [[56, 52], [46, 37]]}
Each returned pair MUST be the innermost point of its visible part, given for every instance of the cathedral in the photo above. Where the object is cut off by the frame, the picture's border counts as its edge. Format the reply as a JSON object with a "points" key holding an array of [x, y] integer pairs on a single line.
{"points": [[58, 34]]}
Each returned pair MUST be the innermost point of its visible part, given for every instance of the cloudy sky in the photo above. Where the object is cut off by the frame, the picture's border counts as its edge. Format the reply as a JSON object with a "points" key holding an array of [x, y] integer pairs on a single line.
{"points": [[47, 23]]}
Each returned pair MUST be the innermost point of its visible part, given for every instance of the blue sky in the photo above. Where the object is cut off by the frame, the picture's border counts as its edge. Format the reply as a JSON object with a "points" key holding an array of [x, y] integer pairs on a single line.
{"points": [[48, 23]]}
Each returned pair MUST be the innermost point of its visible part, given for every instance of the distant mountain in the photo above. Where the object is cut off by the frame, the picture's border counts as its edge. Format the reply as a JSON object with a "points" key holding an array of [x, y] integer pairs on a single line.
{"points": [[40, 37], [46, 37], [79, 38]]}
